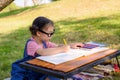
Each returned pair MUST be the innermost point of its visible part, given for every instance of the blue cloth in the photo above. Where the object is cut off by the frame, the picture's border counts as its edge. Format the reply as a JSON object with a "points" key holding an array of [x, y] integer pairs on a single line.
{"points": [[19, 73]]}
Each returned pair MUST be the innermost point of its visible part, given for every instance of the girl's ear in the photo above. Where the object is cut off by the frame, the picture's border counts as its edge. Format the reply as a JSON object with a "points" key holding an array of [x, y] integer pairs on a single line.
{"points": [[38, 33]]}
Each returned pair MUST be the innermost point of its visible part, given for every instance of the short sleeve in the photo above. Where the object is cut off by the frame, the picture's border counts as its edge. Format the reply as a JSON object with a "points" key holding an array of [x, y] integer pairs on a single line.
{"points": [[51, 45], [32, 47]]}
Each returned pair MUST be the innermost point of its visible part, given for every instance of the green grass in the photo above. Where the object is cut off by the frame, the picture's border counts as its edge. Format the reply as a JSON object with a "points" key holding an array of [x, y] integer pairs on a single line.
{"points": [[99, 29], [78, 21], [11, 49]]}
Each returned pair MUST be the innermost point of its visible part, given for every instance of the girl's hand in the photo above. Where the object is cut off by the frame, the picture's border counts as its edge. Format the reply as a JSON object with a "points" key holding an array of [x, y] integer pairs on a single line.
{"points": [[65, 48], [76, 45]]}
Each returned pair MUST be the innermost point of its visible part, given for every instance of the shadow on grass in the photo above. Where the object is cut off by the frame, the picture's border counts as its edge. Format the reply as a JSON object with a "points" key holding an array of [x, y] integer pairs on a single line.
{"points": [[14, 12], [96, 29], [110, 22], [102, 29]]}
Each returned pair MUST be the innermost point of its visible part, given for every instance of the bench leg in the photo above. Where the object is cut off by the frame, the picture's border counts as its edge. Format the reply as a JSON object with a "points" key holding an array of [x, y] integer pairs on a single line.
{"points": [[117, 61]]}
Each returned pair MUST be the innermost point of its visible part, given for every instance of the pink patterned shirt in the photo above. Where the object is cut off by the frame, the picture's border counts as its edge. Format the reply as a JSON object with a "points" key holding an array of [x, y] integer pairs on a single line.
{"points": [[32, 47]]}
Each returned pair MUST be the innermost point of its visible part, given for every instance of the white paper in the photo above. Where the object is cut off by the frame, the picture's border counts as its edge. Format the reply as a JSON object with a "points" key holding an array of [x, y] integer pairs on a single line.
{"points": [[72, 54]]}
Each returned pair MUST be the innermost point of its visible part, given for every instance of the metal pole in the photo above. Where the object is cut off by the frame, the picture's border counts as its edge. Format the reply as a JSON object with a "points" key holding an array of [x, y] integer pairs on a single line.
{"points": [[117, 61]]}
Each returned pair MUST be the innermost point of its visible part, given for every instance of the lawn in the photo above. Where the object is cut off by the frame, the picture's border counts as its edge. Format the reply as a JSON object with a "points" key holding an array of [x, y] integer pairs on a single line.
{"points": [[77, 21]]}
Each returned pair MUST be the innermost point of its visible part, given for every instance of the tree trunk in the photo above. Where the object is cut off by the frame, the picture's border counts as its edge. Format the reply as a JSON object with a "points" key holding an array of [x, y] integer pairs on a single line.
{"points": [[25, 3], [4, 3], [36, 2]]}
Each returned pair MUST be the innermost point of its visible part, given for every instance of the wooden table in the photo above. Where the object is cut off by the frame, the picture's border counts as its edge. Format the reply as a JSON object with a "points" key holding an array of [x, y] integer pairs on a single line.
{"points": [[67, 69]]}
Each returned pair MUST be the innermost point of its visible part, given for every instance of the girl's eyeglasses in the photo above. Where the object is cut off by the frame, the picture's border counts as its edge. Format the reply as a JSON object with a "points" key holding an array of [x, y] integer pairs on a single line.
{"points": [[48, 34]]}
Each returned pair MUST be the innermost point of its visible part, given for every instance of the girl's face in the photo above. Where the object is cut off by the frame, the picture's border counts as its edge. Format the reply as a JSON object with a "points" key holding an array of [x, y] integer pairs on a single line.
{"points": [[46, 33]]}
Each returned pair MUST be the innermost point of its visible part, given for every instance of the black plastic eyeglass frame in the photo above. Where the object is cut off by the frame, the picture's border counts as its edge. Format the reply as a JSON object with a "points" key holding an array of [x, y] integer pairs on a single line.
{"points": [[48, 34]]}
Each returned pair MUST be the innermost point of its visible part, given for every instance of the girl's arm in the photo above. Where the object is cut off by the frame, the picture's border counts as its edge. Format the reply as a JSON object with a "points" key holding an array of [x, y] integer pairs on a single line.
{"points": [[51, 51]]}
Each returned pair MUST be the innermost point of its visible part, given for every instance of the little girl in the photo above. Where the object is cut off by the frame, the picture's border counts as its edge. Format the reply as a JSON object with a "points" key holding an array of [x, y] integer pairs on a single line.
{"points": [[39, 44]]}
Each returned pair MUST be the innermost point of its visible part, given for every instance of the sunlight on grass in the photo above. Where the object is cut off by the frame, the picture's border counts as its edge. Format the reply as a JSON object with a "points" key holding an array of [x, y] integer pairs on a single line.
{"points": [[61, 10]]}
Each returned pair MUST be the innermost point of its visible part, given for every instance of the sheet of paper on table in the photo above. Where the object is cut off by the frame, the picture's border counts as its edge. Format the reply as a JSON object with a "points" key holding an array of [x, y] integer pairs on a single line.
{"points": [[72, 54]]}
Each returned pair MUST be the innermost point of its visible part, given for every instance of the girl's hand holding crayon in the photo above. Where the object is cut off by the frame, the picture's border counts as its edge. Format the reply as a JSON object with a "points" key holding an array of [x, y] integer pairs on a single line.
{"points": [[74, 45], [65, 48]]}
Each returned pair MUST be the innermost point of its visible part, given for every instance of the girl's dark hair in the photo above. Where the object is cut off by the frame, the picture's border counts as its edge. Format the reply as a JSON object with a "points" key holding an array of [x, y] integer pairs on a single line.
{"points": [[39, 23]]}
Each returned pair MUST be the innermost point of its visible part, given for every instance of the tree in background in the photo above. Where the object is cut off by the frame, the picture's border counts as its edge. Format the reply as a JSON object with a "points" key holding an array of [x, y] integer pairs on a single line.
{"points": [[25, 3], [36, 2], [4, 3]]}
